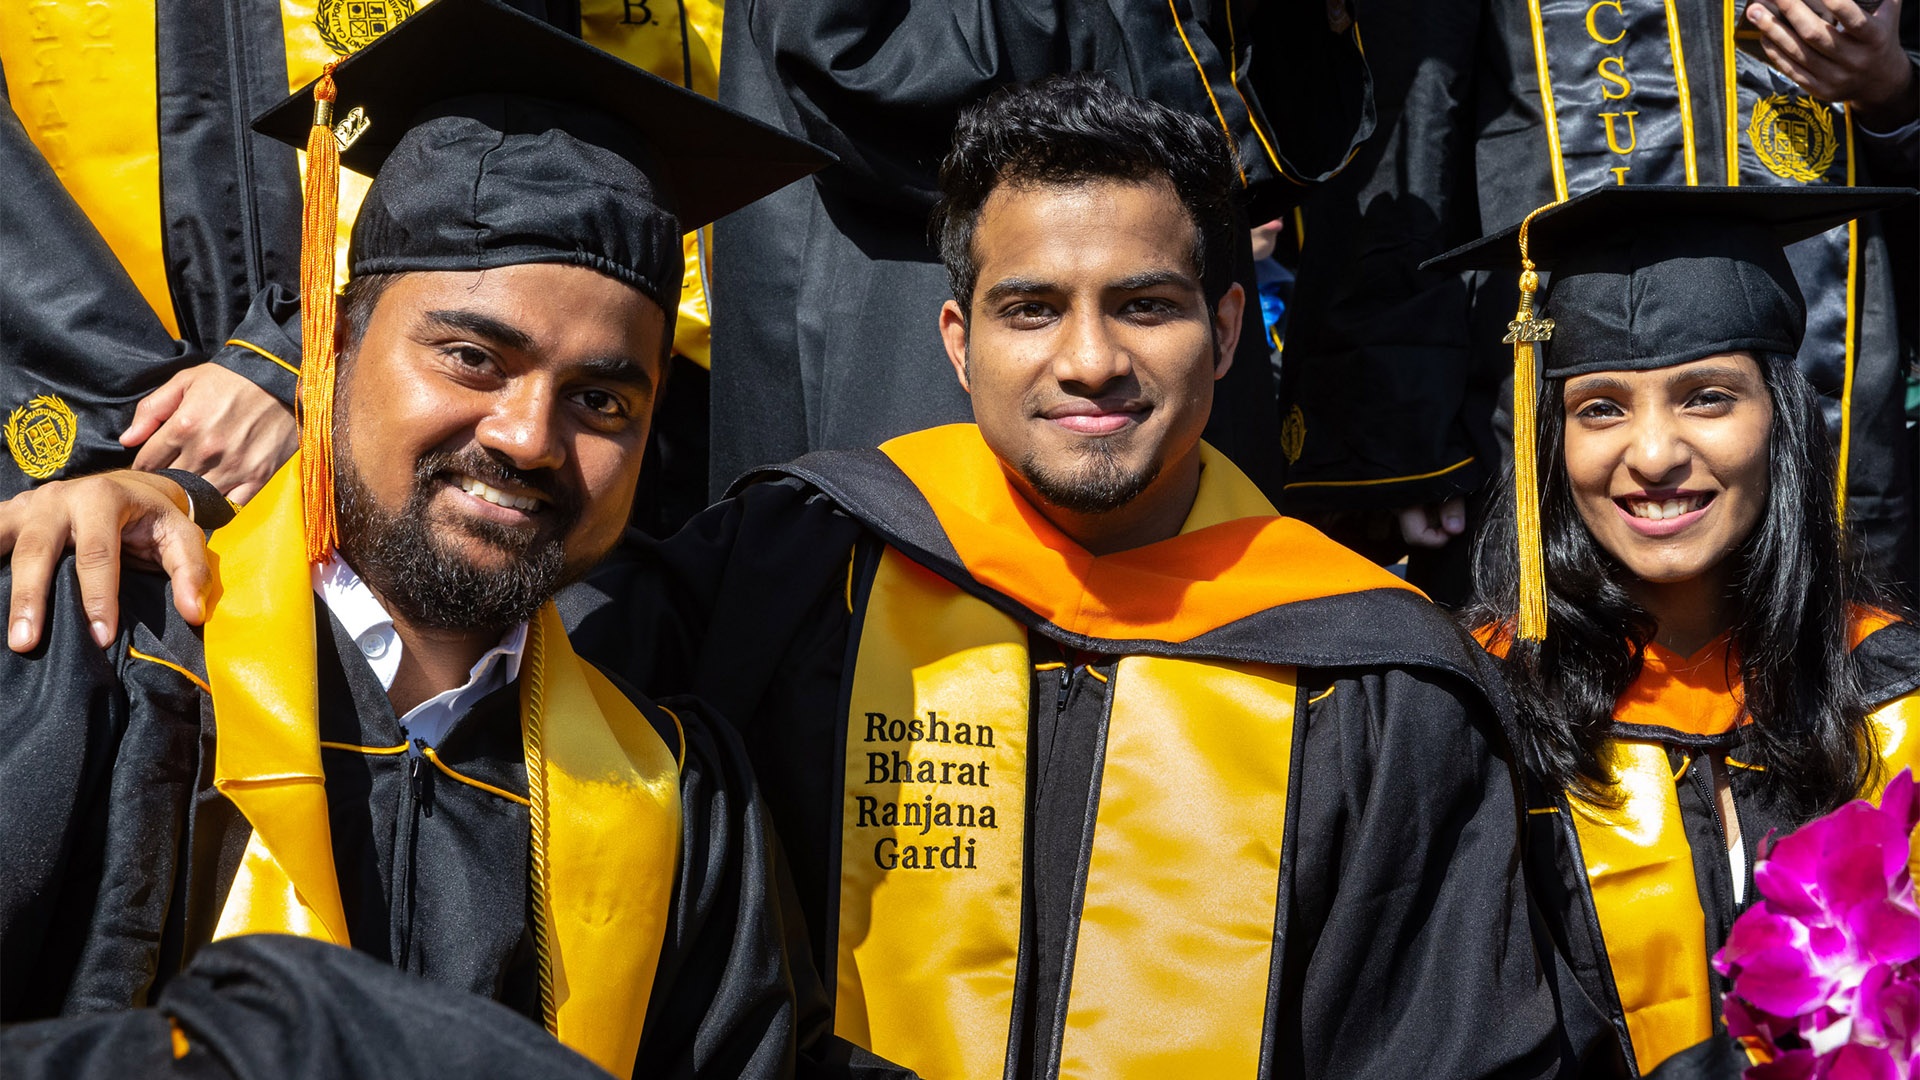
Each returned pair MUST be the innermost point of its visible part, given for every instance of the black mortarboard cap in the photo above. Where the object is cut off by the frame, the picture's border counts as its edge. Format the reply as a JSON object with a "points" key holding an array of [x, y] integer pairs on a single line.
{"points": [[494, 138], [1646, 277], [1651, 276]]}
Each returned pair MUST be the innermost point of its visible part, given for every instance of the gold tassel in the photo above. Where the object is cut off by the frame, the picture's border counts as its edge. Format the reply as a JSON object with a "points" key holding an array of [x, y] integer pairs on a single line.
{"points": [[1522, 333], [318, 233]]}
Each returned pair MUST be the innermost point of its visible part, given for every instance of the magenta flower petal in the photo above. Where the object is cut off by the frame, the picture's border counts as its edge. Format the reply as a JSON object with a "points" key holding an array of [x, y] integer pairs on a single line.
{"points": [[1745, 1022], [1782, 982], [1901, 800], [1856, 1062], [1888, 932], [1757, 930]]}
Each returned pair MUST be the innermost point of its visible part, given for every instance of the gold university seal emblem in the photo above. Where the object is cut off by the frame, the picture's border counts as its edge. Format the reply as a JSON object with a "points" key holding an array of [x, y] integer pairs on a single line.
{"points": [[1293, 434], [40, 434], [1793, 136], [347, 25]]}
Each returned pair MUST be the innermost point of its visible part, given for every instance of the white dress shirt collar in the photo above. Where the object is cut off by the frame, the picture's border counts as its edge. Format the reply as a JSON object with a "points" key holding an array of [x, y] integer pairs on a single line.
{"points": [[368, 624]]}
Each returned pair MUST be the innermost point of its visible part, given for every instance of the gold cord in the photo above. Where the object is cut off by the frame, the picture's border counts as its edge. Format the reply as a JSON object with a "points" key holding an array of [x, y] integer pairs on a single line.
{"points": [[535, 674]]}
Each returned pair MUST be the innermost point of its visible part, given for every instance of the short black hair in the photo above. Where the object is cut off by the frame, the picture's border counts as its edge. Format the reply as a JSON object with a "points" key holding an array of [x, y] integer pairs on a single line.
{"points": [[1071, 129], [357, 300]]}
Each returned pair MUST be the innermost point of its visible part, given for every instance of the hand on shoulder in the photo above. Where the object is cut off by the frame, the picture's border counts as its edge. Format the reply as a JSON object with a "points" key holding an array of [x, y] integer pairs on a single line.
{"points": [[143, 516]]}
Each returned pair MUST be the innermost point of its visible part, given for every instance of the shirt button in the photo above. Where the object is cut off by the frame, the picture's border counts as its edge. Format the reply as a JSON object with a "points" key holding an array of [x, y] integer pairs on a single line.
{"points": [[374, 644]]}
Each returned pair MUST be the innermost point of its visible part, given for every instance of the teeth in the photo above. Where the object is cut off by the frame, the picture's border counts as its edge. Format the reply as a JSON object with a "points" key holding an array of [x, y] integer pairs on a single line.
{"points": [[1669, 508], [497, 497]]}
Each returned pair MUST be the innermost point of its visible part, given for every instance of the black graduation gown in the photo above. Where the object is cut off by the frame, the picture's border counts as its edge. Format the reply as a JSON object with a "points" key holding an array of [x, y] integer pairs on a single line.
{"points": [[1888, 661], [119, 854], [827, 295], [1399, 771], [1399, 374], [274, 1007]]}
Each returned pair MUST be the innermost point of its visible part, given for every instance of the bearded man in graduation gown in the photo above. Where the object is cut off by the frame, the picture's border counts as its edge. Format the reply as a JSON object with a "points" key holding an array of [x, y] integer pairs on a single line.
{"points": [[149, 252], [382, 737], [1086, 762]]}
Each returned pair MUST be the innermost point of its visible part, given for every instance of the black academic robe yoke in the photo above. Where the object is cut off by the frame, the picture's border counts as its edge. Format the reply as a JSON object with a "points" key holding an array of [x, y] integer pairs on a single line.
{"points": [[119, 853], [1404, 946]]}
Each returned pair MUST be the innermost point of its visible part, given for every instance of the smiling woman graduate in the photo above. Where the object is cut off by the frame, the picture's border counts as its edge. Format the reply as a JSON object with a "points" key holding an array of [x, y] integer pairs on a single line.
{"points": [[1697, 664]]}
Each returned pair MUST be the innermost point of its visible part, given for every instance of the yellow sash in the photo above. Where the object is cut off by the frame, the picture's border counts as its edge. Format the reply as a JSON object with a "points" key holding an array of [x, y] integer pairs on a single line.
{"points": [[1176, 939], [82, 79], [1175, 952], [1640, 869], [604, 789], [930, 913]]}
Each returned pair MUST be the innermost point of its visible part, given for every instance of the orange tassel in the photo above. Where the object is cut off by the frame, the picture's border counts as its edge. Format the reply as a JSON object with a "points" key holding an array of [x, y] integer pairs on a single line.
{"points": [[318, 235], [1522, 333]]}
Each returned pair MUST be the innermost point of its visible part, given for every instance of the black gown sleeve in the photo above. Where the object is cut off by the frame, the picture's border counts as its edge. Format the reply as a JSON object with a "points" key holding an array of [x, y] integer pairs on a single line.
{"points": [[723, 1000], [265, 347], [98, 763], [269, 1006], [72, 323], [1409, 947], [59, 733]]}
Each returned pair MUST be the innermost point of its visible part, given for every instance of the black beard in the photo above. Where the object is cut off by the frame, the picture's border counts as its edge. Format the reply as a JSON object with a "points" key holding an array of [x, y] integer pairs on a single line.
{"points": [[401, 557], [1098, 485]]}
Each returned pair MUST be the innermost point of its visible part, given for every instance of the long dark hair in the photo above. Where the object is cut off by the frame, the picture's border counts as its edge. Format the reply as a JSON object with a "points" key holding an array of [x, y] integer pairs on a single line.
{"points": [[1794, 589]]}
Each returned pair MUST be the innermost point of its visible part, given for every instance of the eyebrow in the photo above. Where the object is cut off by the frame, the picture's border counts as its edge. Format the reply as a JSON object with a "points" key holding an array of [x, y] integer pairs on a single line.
{"points": [[1007, 287], [616, 368], [1709, 374], [613, 367], [1591, 384], [1155, 279], [478, 325], [1146, 279]]}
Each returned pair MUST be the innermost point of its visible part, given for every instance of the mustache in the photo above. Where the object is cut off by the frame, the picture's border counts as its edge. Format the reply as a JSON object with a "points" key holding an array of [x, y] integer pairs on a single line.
{"points": [[563, 502]]}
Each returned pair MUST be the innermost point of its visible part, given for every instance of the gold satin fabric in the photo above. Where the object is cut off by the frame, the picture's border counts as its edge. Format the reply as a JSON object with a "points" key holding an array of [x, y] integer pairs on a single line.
{"points": [[1640, 869], [1176, 940], [605, 843], [1171, 968], [927, 956], [82, 79], [609, 854]]}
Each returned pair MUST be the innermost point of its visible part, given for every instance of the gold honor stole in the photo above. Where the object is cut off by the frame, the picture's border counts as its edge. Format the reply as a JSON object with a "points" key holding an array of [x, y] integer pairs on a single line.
{"points": [[82, 79], [1638, 862], [1613, 92], [604, 789], [1175, 942]]}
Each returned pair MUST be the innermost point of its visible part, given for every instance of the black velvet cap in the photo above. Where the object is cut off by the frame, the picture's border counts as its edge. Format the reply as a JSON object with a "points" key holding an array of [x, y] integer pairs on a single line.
{"points": [[495, 139], [1646, 277]]}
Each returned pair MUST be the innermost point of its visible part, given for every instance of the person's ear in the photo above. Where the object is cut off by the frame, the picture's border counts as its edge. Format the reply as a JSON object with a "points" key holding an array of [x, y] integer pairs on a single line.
{"points": [[1227, 322], [953, 334]]}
